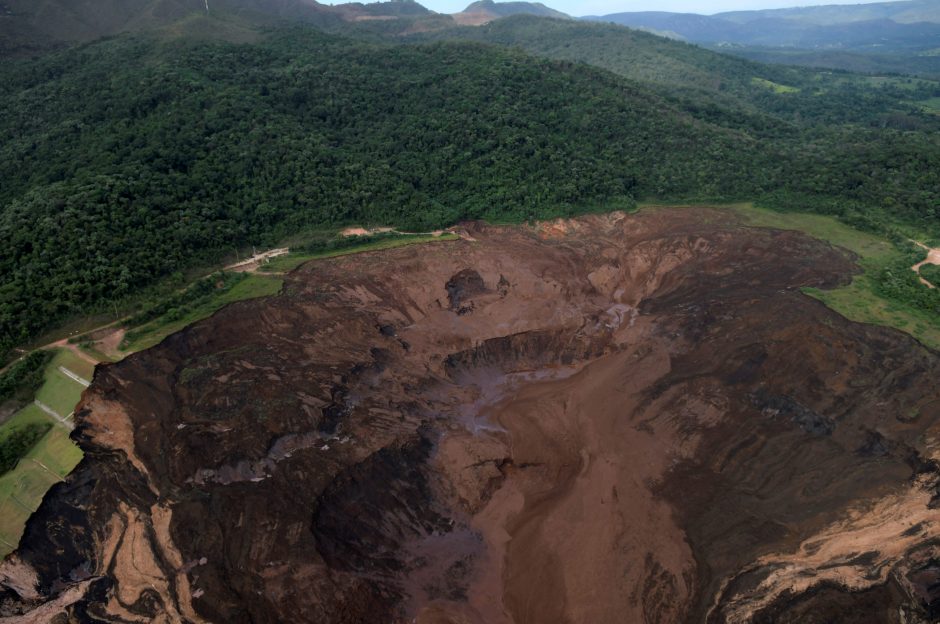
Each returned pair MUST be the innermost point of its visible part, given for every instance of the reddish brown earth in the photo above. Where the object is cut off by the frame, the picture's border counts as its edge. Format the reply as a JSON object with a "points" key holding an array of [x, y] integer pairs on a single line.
{"points": [[611, 419]]}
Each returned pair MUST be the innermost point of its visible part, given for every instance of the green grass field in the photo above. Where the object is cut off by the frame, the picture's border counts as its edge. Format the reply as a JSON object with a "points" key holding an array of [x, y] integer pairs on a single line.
{"points": [[826, 228], [292, 260], [151, 333], [81, 367], [51, 459], [773, 86], [59, 391], [931, 106], [857, 301]]}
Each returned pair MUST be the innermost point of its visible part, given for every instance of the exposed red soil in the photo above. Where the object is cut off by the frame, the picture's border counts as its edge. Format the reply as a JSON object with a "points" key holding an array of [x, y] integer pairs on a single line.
{"points": [[474, 18], [609, 419]]}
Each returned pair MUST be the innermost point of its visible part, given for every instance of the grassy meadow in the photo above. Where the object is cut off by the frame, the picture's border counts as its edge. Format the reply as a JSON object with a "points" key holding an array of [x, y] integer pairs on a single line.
{"points": [[52, 458]]}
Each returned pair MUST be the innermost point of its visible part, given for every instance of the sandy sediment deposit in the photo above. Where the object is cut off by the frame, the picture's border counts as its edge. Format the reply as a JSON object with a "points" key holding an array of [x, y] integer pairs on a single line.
{"points": [[618, 418]]}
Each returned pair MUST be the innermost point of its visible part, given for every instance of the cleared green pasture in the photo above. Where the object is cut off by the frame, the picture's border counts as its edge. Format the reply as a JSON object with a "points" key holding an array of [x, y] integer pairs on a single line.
{"points": [[59, 391], [51, 459]]}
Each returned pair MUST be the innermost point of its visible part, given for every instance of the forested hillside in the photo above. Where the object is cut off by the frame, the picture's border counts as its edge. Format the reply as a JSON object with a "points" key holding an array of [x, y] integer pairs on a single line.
{"points": [[925, 64], [33, 26], [866, 148], [705, 78], [129, 159]]}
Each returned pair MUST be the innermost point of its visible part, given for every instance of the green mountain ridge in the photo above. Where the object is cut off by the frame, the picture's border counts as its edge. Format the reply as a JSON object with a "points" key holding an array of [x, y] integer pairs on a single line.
{"points": [[28, 27], [705, 78], [902, 12], [505, 9], [129, 159]]}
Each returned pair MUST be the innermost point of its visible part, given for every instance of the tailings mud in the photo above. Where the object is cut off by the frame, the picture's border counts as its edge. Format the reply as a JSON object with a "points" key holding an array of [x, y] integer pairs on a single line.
{"points": [[609, 419]]}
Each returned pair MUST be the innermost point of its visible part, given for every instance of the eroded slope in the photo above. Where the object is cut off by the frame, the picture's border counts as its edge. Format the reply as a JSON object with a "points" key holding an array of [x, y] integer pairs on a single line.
{"points": [[618, 418]]}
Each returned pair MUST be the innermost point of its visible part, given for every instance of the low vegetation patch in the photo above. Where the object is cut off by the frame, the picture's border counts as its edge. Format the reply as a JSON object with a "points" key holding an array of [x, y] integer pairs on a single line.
{"points": [[178, 305], [17, 442], [931, 273], [931, 105], [23, 378], [773, 86], [35, 448]]}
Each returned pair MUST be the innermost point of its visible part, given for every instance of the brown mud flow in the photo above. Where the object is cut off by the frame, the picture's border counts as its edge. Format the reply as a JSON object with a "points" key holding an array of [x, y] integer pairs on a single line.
{"points": [[610, 419]]}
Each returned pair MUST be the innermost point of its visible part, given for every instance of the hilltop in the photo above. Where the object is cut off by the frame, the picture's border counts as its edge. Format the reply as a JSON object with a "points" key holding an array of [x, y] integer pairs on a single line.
{"points": [[28, 27], [485, 11]]}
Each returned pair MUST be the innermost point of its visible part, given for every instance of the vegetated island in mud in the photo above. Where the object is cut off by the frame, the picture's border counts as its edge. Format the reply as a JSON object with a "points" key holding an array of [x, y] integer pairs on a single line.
{"points": [[610, 419]]}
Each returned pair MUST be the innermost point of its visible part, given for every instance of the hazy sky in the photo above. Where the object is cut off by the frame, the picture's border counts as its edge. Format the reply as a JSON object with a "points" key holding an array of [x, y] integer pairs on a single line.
{"points": [[603, 7]]}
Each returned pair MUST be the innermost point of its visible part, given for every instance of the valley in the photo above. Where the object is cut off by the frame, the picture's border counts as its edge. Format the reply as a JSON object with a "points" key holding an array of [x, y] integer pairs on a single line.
{"points": [[622, 402]]}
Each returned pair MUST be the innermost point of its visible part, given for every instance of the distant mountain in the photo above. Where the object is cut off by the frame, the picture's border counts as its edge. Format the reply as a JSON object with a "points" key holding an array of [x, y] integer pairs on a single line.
{"points": [[484, 11], [688, 26], [888, 27], [28, 26], [34, 26], [907, 12], [922, 64], [760, 98]]}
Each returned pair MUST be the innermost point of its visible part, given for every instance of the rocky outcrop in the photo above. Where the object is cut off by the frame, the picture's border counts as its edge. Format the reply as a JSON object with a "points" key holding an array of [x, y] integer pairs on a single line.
{"points": [[615, 418]]}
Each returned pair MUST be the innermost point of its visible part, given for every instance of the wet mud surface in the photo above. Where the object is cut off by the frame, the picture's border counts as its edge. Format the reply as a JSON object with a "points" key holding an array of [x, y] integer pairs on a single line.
{"points": [[611, 419]]}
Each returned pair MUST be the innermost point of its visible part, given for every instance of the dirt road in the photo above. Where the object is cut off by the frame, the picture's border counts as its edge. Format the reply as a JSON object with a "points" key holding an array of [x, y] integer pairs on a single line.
{"points": [[251, 264], [933, 257]]}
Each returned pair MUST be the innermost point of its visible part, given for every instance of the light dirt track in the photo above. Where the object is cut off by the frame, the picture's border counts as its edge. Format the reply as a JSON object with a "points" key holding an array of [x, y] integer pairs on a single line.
{"points": [[62, 420], [933, 257], [249, 265]]}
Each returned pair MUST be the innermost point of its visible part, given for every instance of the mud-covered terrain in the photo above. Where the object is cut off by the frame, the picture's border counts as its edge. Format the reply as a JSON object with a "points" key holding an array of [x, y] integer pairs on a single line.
{"points": [[612, 419]]}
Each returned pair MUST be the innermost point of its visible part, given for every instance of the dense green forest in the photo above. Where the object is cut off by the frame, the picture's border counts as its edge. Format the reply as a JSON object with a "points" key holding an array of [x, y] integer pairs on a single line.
{"points": [[123, 161], [696, 75]]}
